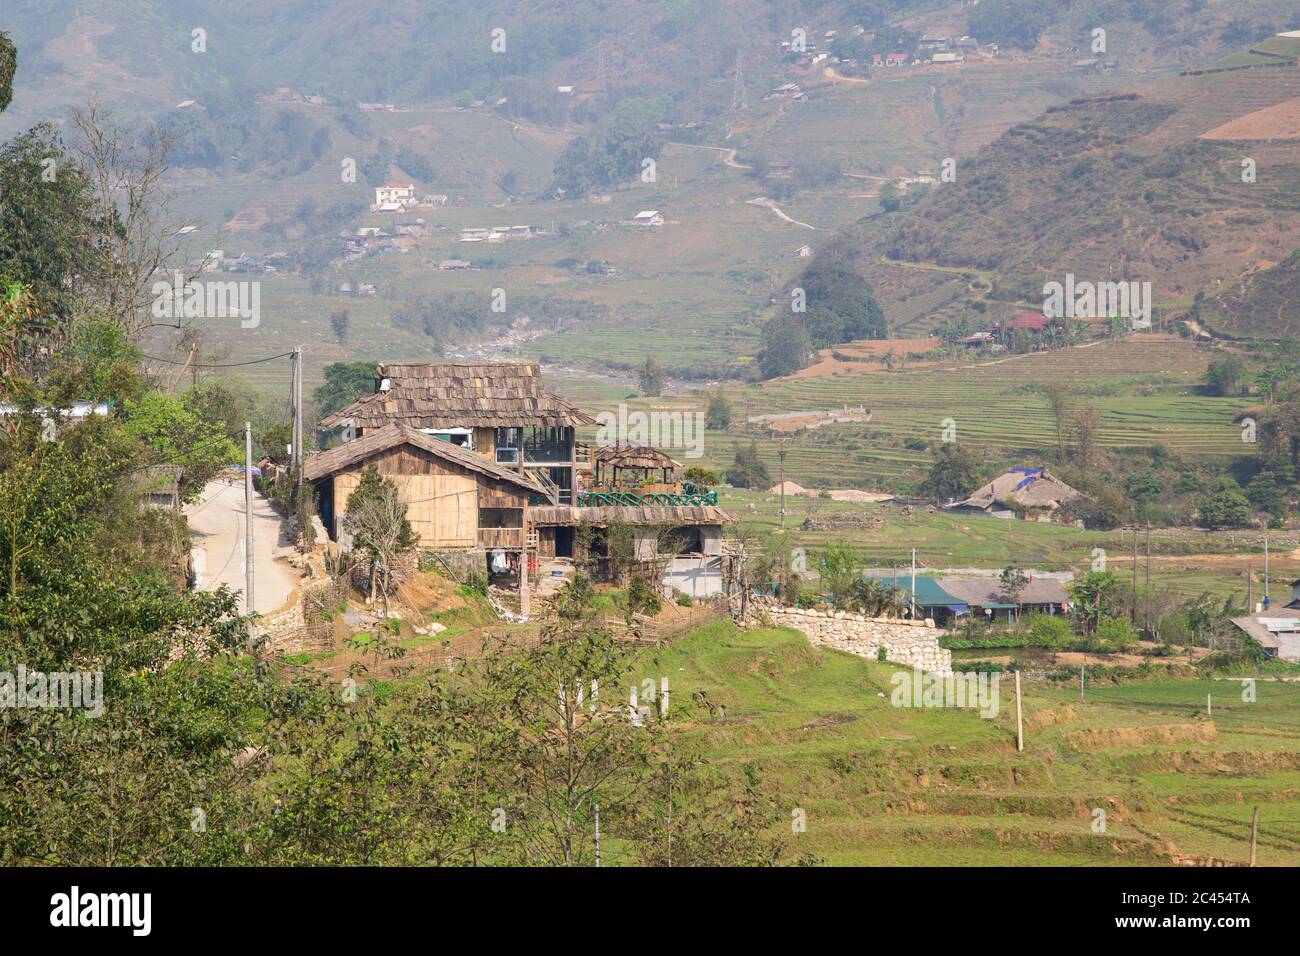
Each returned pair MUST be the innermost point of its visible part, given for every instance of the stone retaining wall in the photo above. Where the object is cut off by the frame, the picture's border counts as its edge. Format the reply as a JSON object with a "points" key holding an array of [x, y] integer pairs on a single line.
{"points": [[915, 643]]}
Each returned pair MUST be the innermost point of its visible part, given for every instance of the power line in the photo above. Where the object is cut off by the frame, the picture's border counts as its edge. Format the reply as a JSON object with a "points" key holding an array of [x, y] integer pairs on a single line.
{"points": [[271, 358]]}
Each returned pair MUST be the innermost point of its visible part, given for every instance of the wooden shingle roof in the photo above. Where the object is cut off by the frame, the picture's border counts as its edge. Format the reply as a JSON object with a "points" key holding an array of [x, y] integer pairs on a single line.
{"points": [[634, 456], [325, 463], [485, 395]]}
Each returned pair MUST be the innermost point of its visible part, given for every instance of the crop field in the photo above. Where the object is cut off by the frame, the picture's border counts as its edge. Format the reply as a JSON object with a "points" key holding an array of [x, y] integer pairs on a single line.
{"points": [[1143, 388], [880, 784]]}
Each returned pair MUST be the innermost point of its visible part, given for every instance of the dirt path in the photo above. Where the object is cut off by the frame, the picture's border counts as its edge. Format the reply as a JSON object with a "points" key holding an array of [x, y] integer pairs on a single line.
{"points": [[217, 523], [831, 74], [728, 155], [768, 204]]}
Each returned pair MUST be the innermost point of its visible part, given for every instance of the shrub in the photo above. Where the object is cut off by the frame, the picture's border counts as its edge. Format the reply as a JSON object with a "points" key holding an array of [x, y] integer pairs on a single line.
{"points": [[1115, 631], [685, 600], [1048, 630], [642, 598]]}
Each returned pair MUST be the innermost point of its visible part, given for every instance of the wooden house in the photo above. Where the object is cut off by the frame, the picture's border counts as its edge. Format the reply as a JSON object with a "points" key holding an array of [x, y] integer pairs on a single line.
{"points": [[488, 460], [499, 412], [455, 498]]}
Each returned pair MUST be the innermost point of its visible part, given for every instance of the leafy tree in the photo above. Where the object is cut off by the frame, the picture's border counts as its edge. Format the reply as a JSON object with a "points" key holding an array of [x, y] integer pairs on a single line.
{"points": [[748, 471], [838, 567], [1226, 376], [702, 478], [1059, 400], [650, 378], [1116, 632], [1265, 494], [344, 383], [1050, 630], [1012, 583], [718, 415], [1224, 507], [1096, 595], [1144, 487], [177, 435], [786, 347], [339, 324], [955, 471], [46, 226], [8, 65], [841, 304]]}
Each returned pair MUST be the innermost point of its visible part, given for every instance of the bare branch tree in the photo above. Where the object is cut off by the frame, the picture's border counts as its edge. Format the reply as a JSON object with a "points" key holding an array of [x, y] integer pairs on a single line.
{"points": [[136, 237]]}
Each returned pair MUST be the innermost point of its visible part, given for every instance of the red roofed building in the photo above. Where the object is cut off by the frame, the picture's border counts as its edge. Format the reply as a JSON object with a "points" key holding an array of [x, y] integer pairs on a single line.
{"points": [[1029, 321]]}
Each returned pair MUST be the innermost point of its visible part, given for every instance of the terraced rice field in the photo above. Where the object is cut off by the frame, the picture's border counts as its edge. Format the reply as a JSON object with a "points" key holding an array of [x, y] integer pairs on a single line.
{"points": [[881, 784], [1142, 387]]}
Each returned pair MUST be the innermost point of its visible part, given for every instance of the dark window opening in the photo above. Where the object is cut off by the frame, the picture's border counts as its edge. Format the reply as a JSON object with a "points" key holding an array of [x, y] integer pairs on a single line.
{"points": [[501, 517], [564, 542], [688, 540]]}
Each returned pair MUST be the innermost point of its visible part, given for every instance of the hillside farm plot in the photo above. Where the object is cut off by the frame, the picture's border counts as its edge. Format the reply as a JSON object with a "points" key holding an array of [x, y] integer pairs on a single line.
{"points": [[886, 785]]}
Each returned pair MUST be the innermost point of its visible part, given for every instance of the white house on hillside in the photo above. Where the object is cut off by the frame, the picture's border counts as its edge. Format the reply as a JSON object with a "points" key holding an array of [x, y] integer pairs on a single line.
{"points": [[394, 193]]}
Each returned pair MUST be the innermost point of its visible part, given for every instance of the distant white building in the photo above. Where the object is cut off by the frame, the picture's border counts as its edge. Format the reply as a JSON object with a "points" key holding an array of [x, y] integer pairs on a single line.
{"points": [[803, 252], [648, 217], [394, 194]]}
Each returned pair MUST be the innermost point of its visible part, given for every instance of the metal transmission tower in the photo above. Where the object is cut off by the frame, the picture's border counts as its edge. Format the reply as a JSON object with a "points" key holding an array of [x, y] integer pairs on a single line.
{"points": [[739, 98]]}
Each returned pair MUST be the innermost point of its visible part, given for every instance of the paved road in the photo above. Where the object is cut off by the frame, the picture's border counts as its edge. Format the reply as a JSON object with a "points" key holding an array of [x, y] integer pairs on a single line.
{"points": [[217, 524]]}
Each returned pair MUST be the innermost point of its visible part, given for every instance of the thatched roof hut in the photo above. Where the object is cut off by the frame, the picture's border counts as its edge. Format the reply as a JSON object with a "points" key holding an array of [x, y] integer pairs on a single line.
{"points": [[1031, 488], [489, 395], [641, 459]]}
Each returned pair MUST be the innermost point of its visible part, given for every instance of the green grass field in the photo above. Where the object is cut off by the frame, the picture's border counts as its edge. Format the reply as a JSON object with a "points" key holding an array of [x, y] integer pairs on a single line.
{"points": [[885, 785]]}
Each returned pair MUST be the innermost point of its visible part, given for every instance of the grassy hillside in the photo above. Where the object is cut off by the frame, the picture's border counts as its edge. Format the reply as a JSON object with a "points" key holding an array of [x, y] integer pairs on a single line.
{"points": [[1119, 187], [1263, 302], [908, 786]]}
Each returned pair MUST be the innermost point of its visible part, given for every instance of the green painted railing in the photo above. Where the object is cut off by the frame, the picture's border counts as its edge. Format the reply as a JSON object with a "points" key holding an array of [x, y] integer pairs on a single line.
{"points": [[603, 499]]}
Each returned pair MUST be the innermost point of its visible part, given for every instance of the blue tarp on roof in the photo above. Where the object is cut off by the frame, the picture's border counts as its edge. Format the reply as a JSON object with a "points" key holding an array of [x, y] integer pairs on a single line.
{"points": [[1031, 474]]}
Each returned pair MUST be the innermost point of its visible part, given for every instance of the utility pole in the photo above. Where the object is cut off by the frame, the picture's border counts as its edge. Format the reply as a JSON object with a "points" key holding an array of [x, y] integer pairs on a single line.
{"points": [[248, 518], [1148, 555], [1135, 575], [297, 416], [1254, 833], [1266, 569], [780, 454], [914, 584], [598, 834], [1020, 729], [1147, 615], [893, 583], [1083, 667]]}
